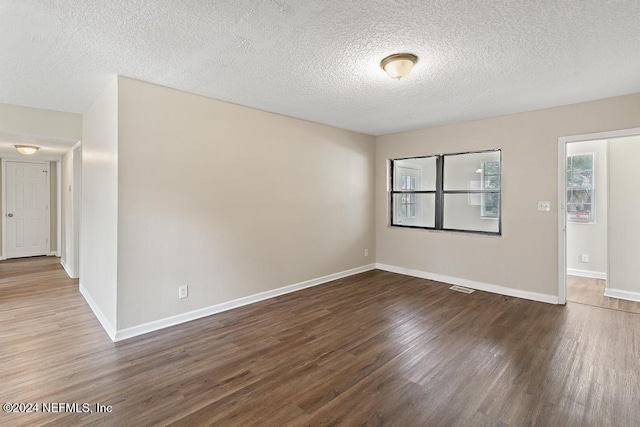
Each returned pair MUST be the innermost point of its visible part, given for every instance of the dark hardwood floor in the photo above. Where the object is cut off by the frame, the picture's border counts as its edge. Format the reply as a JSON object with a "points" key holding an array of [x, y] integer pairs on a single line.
{"points": [[377, 348], [589, 291]]}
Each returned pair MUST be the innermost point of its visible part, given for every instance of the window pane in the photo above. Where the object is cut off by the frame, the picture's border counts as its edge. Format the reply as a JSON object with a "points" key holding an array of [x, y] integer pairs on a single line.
{"points": [[582, 178], [491, 182], [417, 210], [580, 186], [490, 204], [465, 171], [415, 174], [582, 162], [459, 214]]}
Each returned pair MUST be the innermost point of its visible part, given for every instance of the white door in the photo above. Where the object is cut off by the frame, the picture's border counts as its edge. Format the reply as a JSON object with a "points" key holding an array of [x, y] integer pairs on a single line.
{"points": [[27, 209]]}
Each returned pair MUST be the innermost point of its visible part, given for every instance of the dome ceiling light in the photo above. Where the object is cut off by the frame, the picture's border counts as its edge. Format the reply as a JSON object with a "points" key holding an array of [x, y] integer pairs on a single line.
{"points": [[27, 150], [398, 65]]}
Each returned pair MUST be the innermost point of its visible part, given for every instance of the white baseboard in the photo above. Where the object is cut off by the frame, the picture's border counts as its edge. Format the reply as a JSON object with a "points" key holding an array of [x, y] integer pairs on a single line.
{"points": [[67, 269], [52, 253], [587, 273], [622, 294], [496, 289], [218, 308], [98, 313]]}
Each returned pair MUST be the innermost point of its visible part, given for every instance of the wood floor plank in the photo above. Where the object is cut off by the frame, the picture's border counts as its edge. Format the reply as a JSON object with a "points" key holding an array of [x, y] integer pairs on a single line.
{"points": [[376, 348]]}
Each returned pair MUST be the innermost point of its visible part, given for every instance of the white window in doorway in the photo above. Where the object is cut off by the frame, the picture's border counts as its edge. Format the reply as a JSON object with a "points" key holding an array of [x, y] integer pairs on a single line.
{"points": [[580, 188]]}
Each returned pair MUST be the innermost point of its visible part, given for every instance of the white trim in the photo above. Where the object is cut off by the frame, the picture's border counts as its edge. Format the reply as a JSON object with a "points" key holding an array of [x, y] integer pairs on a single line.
{"points": [[52, 253], [58, 207], [109, 329], [67, 269], [622, 294], [587, 273], [218, 308], [3, 165], [496, 289], [562, 194], [562, 222]]}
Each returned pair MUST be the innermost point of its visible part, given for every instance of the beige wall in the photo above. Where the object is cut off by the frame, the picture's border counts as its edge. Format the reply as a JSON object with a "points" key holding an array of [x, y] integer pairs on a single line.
{"points": [[591, 238], [525, 257], [100, 204], [36, 121], [231, 201], [624, 215]]}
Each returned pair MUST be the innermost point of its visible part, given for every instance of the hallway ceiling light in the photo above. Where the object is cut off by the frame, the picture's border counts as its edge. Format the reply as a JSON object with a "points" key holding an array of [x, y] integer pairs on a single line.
{"points": [[27, 150], [398, 65]]}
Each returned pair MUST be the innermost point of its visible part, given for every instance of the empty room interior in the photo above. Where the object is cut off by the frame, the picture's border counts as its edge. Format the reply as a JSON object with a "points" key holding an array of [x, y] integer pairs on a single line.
{"points": [[295, 213]]}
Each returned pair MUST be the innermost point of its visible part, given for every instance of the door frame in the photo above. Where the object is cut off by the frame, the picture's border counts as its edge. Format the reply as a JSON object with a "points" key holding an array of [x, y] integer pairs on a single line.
{"points": [[3, 163], [562, 197]]}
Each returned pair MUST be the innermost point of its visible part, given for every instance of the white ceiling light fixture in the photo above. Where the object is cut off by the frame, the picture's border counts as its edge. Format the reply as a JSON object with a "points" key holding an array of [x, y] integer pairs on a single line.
{"points": [[27, 150], [398, 65]]}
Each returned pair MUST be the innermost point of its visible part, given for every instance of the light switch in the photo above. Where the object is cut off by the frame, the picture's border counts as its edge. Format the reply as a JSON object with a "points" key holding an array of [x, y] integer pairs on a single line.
{"points": [[544, 206]]}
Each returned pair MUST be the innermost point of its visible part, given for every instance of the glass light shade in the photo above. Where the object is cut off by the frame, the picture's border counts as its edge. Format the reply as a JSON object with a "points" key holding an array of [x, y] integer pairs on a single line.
{"points": [[27, 150], [399, 65]]}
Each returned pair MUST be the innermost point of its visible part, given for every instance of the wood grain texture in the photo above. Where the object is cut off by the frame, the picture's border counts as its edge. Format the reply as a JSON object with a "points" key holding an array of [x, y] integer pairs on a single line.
{"points": [[377, 348], [585, 290]]}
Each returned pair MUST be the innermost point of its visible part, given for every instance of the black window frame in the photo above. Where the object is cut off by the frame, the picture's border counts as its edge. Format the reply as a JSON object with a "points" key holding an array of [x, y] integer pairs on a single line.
{"points": [[440, 193]]}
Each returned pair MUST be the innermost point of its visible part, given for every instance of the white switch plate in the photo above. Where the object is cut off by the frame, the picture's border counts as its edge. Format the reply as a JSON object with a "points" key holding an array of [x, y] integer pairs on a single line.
{"points": [[183, 291], [584, 258], [544, 206]]}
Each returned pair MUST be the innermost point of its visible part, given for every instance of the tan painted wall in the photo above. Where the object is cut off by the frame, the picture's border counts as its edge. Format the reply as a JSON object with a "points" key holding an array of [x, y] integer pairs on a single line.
{"points": [[525, 257], [590, 239], [98, 264], [624, 215], [231, 201]]}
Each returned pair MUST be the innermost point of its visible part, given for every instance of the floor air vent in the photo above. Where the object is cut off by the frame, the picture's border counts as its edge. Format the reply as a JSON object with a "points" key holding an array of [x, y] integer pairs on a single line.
{"points": [[461, 289]]}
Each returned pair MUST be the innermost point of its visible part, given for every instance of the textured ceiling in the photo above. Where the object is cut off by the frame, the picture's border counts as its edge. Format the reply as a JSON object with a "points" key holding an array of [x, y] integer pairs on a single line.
{"points": [[319, 60]]}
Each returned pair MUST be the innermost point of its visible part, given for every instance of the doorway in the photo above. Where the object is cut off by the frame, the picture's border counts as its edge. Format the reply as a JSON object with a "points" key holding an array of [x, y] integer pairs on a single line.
{"points": [[27, 209], [596, 218]]}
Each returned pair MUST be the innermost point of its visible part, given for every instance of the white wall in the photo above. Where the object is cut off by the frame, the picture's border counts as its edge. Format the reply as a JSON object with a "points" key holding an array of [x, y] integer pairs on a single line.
{"points": [[36, 121], [99, 232], [15, 119], [624, 218], [231, 201], [590, 238], [525, 257], [67, 234]]}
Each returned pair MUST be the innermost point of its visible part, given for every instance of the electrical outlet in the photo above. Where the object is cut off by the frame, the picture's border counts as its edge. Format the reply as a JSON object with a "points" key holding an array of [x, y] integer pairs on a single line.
{"points": [[544, 206], [366, 252], [183, 291], [584, 258]]}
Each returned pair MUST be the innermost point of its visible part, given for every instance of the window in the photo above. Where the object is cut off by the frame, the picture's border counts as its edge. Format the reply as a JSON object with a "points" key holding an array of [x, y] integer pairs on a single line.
{"points": [[490, 202], [580, 188], [456, 192]]}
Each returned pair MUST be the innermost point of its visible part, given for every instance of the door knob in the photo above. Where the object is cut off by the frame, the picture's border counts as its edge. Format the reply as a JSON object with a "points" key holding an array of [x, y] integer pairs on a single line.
{"points": [[10, 215]]}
